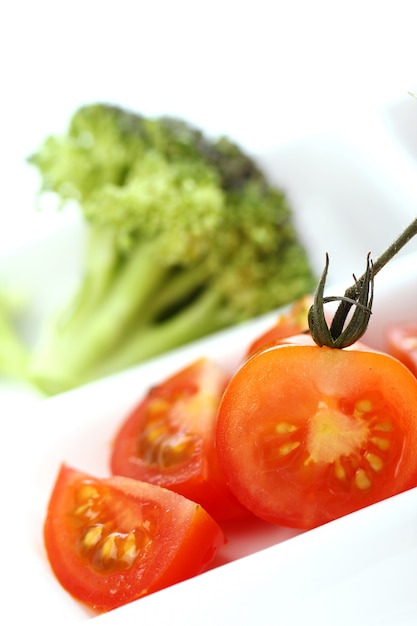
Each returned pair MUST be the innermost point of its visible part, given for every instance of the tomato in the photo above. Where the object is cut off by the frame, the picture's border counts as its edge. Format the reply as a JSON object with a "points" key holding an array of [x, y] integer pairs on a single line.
{"points": [[401, 340], [292, 322], [111, 541], [308, 434], [169, 438]]}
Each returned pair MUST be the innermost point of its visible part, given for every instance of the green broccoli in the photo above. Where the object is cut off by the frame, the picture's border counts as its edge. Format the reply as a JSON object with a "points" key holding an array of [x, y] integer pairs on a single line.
{"points": [[14, 354], [185, 237]]}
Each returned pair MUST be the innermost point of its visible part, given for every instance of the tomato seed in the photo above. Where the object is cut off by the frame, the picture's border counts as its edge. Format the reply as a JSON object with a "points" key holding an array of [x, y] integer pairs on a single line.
{"points": [[361, 407], [87, 491], [339, 471], [93, 536], [380, 443], [109, 548], [285, 427], [362, 480], [286, 448], [385, 427], [374, 461], [130, 549]]}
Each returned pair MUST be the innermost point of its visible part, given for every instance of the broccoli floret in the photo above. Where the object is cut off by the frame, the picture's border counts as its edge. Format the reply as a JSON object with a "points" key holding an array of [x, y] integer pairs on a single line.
{"points": [[14, 354], [185, 237]]}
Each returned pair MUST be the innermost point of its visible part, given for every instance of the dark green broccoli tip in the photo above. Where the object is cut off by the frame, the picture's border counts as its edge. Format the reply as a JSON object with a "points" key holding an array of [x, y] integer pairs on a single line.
{"points": [[186, 237]]}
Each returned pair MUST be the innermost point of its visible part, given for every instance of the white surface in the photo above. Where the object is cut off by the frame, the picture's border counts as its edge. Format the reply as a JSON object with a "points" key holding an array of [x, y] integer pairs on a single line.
{"points": [[266, 73], [357, 571]]}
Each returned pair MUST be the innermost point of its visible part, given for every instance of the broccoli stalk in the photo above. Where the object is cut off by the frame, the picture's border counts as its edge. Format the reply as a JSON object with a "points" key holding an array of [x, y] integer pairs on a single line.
{"points": [[14, 354], [185, 237]]}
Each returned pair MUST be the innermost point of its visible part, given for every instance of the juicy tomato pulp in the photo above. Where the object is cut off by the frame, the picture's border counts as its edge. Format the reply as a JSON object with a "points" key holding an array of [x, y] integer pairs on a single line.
{"points": [[308, 434], [110, 541], [402, 344], [169, 439]]}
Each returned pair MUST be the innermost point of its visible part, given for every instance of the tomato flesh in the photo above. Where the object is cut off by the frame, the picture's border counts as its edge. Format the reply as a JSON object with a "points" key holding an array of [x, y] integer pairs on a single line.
{"points": [[308, 434], [111, 541], [169, 439]]}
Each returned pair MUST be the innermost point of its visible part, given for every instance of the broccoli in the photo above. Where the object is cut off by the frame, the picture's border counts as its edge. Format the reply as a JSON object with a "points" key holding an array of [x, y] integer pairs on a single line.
{"points": [[185, 237], [14, 354]]}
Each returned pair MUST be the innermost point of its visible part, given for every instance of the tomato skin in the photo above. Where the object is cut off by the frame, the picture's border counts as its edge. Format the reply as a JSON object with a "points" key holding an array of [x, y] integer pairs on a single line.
{"points": [[180, 411], [401, 340], [181, 538], [296, 444], [305, 339], [276, 334], [293, 322]]}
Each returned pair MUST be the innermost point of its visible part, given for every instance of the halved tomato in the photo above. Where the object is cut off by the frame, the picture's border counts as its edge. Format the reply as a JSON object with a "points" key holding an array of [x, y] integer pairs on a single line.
{"points": [[111, 541], [401, 340], [169, 438], [308, 434]]}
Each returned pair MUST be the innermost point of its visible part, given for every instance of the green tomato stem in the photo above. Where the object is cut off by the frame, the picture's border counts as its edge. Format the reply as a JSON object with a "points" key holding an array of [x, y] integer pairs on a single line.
{"points": [[391, 251], [360, 295]]}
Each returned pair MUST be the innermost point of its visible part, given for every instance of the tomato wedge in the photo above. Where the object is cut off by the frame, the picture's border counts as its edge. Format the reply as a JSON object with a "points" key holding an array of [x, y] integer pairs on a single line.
{"points": [[292, 322], [111, 541], [169, 438], [401, 342], [308, 434]]}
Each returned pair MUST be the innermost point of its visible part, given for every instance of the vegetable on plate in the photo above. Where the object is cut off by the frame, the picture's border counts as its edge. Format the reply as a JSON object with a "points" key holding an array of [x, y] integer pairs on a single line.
{"points": [[185, 236], [309, 433], [14, 353], [169, 439], [292, 322], [401, 342], [113, 540], [310, 427]]}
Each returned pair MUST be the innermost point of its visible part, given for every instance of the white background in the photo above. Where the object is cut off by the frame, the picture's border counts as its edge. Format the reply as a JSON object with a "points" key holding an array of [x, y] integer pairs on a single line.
{"points": [[265, 73]]}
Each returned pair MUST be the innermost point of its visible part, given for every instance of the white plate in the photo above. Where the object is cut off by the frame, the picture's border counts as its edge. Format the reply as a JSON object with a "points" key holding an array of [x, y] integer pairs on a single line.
{"points": [[366, 562], [358, 570]]}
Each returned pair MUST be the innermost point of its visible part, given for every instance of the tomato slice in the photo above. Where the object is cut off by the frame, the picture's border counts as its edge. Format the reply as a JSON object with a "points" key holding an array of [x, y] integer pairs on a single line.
{"points": [[169, 438], [111, 541], [401, 340], [308, 434]]}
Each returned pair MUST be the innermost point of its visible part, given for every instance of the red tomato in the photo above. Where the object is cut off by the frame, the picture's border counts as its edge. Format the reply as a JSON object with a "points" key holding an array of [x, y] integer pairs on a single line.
{"points": [[169, 439], [305, 339], [111, 541], [401, 342], [308, 434], [293, 322]]}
